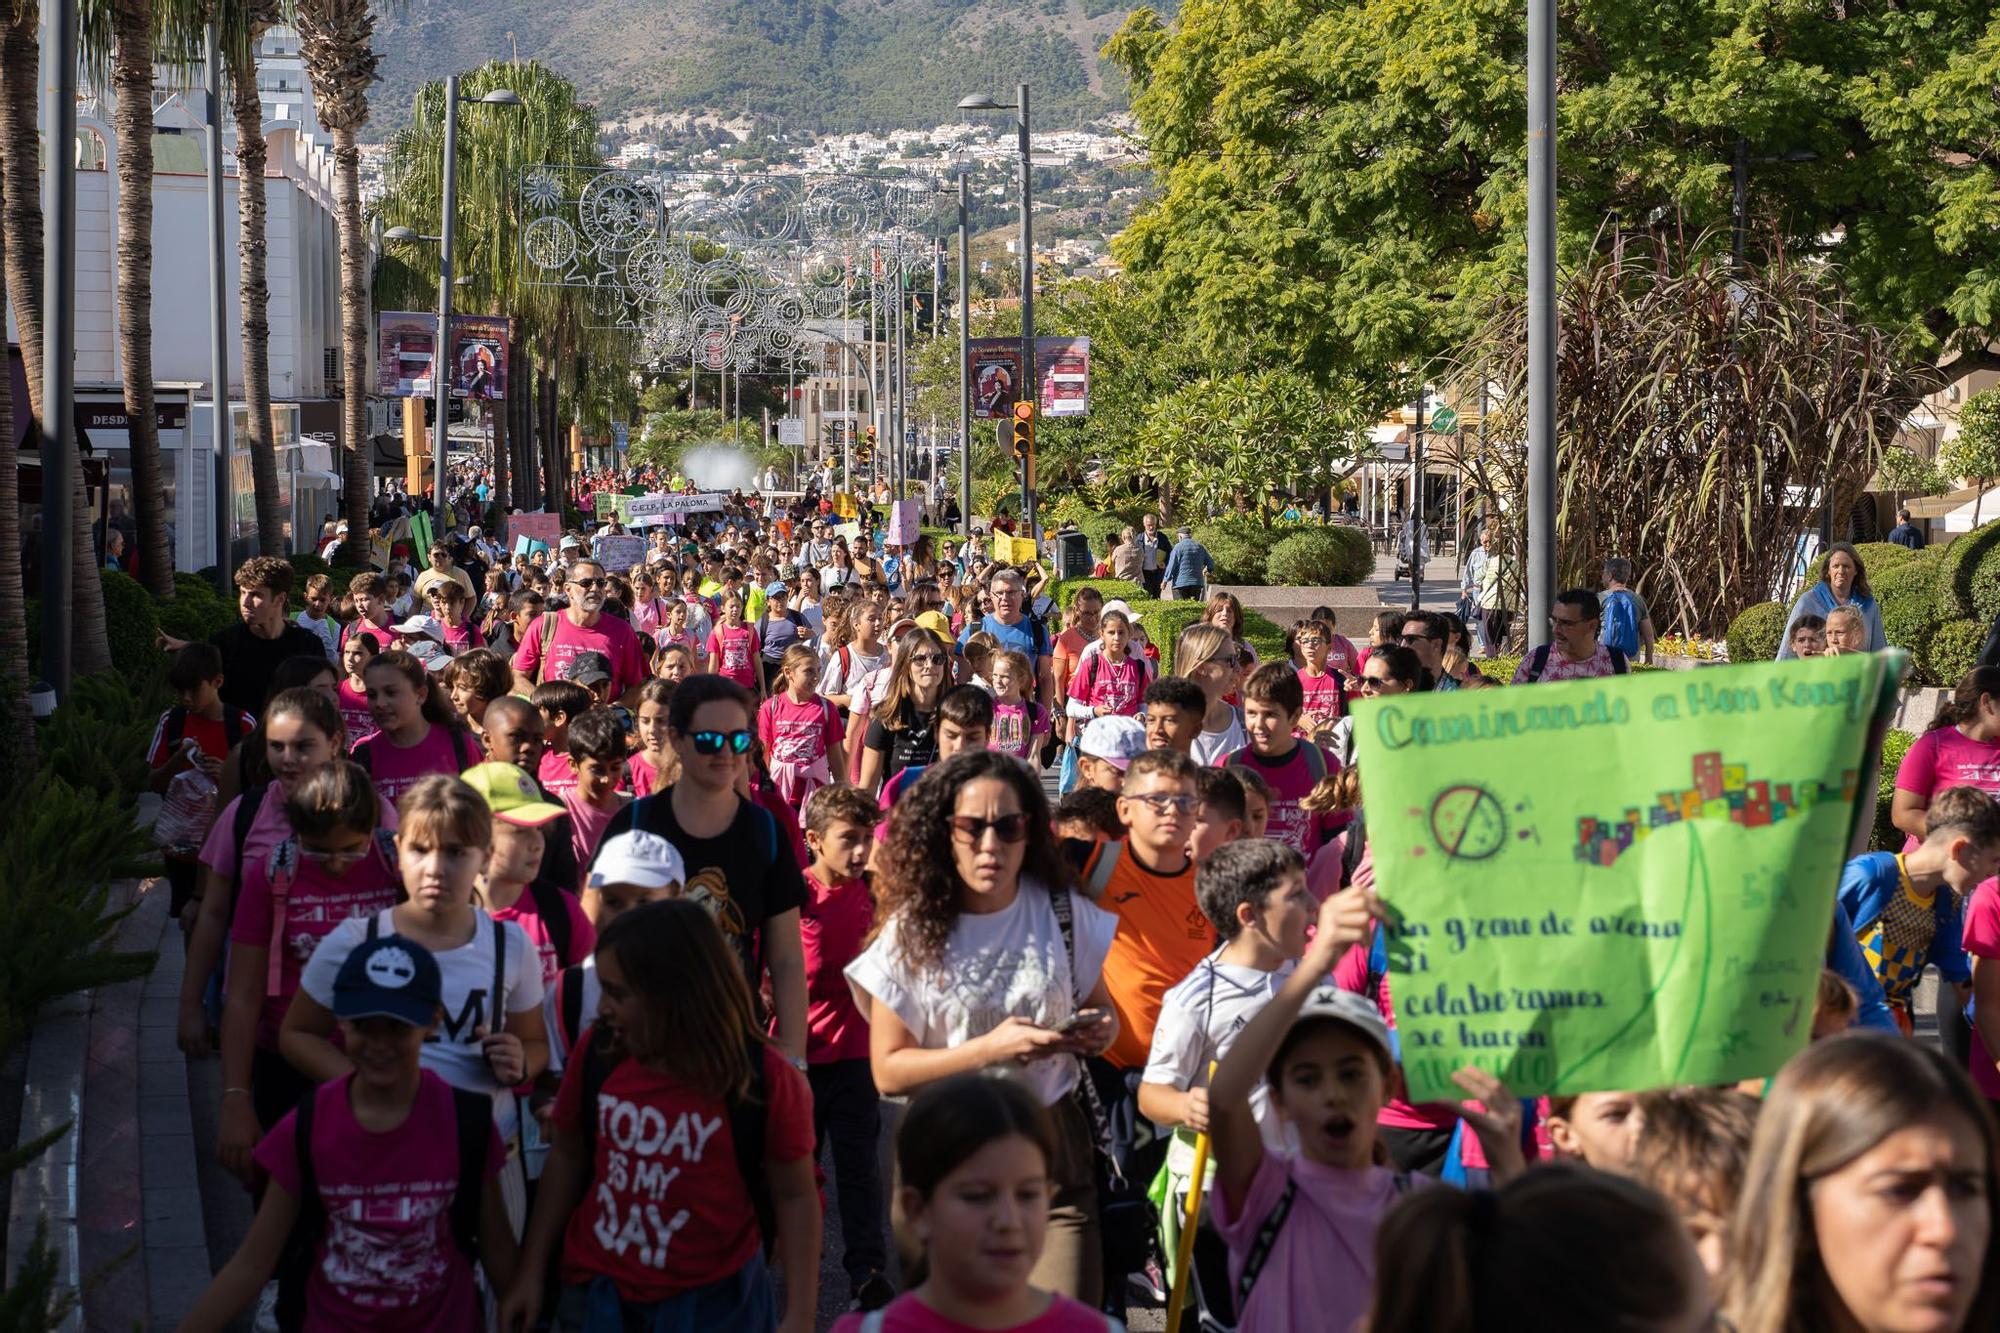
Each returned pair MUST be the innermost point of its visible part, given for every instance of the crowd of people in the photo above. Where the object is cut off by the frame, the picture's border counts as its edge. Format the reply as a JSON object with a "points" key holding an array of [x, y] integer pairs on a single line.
{"points": [[567, 933]]}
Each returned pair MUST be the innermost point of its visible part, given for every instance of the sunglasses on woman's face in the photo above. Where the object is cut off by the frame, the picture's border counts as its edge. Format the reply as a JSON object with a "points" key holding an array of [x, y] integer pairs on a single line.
{"points": [[712, 742], [972, 829], [927, 659]]}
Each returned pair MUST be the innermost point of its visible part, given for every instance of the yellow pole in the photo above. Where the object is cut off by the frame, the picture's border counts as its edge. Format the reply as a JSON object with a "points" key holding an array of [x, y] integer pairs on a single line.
{"points": [[1184, 1250]]}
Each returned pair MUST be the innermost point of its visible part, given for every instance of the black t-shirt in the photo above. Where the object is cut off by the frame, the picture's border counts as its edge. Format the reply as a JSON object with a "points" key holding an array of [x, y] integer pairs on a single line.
{"points": [[911, 744], [248, 661], [744, 877]]}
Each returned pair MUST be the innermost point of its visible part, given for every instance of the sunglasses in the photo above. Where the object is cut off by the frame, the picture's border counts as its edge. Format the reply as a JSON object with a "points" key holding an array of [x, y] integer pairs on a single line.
{"points": [[1371, 682], [1163, 803], [588, 583], [1414, 638], [712, 742], [927, 659], [972, 829]]}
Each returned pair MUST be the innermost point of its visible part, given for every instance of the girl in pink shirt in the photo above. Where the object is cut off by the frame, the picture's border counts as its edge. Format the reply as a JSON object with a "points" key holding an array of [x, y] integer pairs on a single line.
{"points": [[1113, 679], [1018, 721], [1961, 749], [417, 733], [655, 766], [355, 655], [733, 647], [973, 1155], [452, 606], [673, 629], [800, 730]]}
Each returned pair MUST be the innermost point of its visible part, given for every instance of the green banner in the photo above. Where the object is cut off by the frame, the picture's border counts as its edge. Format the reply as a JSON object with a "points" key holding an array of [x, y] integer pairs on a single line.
{"points": [[1617, 884], [605, 504], [420, 537]]}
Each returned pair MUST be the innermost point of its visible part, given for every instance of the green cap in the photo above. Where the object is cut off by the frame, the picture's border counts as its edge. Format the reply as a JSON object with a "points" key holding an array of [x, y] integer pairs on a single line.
{"points": [[511, 794]]}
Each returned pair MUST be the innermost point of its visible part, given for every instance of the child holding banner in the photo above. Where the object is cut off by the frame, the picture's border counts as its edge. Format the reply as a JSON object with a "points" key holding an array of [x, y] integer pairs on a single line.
{"points": [[1301, 1227]]}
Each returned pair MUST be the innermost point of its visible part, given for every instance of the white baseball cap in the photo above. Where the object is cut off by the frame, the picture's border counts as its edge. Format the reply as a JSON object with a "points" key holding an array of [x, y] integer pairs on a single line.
{"points": [[639, 858], [427, 626], [1354, 1010], [1114, 739]]}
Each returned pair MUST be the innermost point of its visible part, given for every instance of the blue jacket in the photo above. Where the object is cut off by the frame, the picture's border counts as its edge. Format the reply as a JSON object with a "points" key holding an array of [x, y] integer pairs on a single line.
{"points": [[1844, 956], [1818, 600], [1188, 564], [1870, 887]]}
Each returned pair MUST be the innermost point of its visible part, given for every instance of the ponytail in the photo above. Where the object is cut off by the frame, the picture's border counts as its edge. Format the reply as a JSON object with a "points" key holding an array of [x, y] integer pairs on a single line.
{"points": [[437, 709], [1963, 706]]}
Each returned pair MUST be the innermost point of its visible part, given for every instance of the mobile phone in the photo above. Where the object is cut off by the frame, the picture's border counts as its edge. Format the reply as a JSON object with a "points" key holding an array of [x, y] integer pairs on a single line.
{"points": [[1082, 1018]]}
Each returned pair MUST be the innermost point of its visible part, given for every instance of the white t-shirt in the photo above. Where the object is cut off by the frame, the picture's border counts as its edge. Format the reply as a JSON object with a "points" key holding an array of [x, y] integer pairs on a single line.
{"points": [[1212, 747], [996, 965], [1199, 1019], [452, 1052], [836, 679]]}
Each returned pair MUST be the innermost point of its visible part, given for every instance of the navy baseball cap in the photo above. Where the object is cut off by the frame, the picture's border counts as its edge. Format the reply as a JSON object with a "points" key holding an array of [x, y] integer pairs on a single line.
{"points": [[389, 977]]}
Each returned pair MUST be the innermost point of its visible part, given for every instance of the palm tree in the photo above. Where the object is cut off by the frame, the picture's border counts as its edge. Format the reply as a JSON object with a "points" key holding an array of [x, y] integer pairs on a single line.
{"points": [[132, 31], [18, 749], [336, 39], [21, 219], [243, 23]]}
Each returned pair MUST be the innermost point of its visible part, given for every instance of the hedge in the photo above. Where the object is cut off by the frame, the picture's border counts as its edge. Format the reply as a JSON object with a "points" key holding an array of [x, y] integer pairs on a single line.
{"points": [[1951, 650], [1240, 551], [1910, 597], [131, 624], [1316, 557], [1112, 589], [1887, 837], [1753, 636], [1959, 566]]}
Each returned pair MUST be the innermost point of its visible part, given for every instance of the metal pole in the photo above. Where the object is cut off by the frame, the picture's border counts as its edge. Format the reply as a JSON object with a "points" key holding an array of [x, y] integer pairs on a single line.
{"points": [[442, 357], [964, 358], [900, 475], [1541, 318], [1417, 543], [1029, 388], [59, 344], [1739, 198], [218, 300]]}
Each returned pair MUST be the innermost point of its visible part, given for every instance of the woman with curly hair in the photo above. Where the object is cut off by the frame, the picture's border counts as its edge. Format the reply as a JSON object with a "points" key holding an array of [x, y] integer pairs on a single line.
{"points": [[972, 968]]}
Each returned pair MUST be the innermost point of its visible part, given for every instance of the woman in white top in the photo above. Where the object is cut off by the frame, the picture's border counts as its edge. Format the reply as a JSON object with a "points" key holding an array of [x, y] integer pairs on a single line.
{"points": [[1206, 655], [969, 970], [839, 568]]}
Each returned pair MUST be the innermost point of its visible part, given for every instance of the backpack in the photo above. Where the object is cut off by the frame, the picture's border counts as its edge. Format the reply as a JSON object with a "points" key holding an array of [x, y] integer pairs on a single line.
{"points": [[569, 1004], [1274, 1221], [364, 753], [473, 1114], [1315, 760], [1538, 662], [247, 806], [1089, 673], [175, 725], [1620, 630], [284, 867], [746, 1125], [554, 912]]}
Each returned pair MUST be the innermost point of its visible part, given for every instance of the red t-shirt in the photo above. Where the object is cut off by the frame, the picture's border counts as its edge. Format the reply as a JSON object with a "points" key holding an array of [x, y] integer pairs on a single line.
{"points": [[315, 902], [833, 925], [613, 637], [908, 1314], [667, 1211], [211, 734], [1323, 707], [397, 768], [387, 1259]]}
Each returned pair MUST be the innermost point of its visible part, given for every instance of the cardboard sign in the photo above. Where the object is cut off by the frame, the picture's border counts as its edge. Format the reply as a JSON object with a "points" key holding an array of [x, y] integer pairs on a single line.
{"points": [[544, 528], [1620, 883], [618, 552], [905, 516]]}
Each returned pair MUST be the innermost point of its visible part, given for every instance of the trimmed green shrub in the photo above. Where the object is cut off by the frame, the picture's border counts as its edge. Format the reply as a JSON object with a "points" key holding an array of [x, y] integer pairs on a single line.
{"points": [[1887, 837], [1753, 636], [1240, 551], [1909, 596], [1952, 650], [1165, 621], [1500, 670], [304, 566], [197, 611], [131, 623], [1113, 589], [1315, 557], [1957, 566]]}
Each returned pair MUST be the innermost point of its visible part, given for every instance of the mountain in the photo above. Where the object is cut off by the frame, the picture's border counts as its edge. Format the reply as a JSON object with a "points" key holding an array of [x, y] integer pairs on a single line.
{"points": [[816, 65]]}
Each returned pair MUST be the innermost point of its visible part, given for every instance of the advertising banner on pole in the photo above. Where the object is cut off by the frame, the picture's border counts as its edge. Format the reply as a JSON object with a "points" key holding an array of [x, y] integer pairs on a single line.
{"points": [[1062, 365], [405, 345], [479, 343], [1618, 883], [994, 371]]}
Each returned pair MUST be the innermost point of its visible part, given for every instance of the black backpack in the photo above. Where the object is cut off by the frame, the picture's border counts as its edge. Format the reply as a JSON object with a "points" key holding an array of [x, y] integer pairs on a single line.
{"points": [[554, 912], [176, 725], [746, 1122], [1538, 662], [473, 1112]]}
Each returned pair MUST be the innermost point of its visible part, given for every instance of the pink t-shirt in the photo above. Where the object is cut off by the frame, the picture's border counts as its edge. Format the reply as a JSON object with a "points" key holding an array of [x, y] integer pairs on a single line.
{"points": [[908, 1314], [1101, 682], [462, 637], [1291, 781], [1947, 757], [613, 637], [688, 639], [354, 714], [582, 935], [314, 903], [732, 652], [587, 823], [385, 638], [397, 768], [1015, 727], [1982, 940], [267, 830], [387, 1259], [1324, 1257], [1343, 656], [833, 925], [1323, 702], [557, 777], [799, 733], [640, 777]]}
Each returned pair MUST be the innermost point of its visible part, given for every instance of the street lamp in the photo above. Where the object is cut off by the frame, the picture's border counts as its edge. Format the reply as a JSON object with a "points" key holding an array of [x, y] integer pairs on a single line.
{"points": [[441, 355], [1027, 387]]}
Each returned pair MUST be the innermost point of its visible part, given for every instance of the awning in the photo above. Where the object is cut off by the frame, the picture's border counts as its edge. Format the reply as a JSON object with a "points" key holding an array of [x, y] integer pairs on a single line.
{"points": [[1985, 508], [1937, 506]]}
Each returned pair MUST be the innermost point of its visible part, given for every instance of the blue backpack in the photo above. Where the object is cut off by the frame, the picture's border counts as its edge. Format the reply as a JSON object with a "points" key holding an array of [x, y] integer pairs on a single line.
{"points": [[1621, 623]]}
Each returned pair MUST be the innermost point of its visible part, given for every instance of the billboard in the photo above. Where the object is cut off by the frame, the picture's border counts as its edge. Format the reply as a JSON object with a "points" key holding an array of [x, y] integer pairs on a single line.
{"points": [[1062, 365], [405, 344], [479, 348]]}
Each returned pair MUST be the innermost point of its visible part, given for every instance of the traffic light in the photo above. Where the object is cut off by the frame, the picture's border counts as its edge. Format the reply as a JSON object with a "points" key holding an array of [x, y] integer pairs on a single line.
{"points": [[1024, 438], [867, 450]]}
